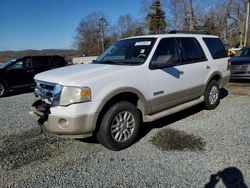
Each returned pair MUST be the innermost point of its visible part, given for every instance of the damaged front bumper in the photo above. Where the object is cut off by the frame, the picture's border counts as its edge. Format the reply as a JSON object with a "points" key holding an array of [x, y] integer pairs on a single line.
{"points": [[73, 127], [41, 110]]}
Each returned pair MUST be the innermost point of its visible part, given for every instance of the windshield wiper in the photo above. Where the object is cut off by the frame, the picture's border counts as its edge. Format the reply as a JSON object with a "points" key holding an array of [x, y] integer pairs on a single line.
{"points": [[110, 62]]}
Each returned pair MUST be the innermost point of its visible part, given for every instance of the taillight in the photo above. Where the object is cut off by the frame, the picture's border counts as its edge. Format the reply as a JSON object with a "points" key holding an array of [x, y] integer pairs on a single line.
{"points": [[229, 65]]}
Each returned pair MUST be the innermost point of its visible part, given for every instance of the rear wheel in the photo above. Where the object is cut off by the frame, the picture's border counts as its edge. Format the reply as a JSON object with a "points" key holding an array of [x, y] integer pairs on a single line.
{"points": [[119, 126], [2, 89], [212, 95]]}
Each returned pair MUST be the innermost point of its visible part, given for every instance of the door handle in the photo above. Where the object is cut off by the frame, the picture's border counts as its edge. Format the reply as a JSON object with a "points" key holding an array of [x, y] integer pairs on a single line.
{"points": [[180, 72], [207, 67], [30, 70]]}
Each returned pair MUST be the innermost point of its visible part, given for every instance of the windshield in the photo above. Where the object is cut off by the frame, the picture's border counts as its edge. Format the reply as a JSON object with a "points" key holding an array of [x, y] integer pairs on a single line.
{"points": [[127, 52], [243, 53], [6, 63]]}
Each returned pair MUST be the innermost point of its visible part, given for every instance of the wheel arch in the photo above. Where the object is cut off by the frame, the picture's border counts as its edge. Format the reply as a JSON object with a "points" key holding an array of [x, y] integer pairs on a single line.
{"points": [[215, 76], [123, 94]]}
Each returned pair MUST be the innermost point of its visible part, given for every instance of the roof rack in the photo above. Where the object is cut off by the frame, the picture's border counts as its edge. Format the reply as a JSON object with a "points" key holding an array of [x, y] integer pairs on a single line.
{"points": [[189, 32]]}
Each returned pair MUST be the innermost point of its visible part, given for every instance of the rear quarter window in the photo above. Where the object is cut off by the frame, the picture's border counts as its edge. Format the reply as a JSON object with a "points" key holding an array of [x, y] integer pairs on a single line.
{"points": [[216, 47]]}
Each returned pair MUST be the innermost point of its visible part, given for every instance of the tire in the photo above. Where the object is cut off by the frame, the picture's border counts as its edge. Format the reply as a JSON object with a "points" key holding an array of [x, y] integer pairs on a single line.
{"points": [[119, 126], [212, 95], [3, 90]]}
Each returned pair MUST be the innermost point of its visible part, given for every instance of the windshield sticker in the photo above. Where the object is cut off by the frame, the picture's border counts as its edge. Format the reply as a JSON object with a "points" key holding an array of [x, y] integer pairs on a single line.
{"points": [[143, 43]]}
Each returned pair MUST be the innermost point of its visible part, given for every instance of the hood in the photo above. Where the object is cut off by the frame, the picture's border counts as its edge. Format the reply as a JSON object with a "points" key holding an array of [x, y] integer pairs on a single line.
{"points": [[240, 60], [75, 74]]}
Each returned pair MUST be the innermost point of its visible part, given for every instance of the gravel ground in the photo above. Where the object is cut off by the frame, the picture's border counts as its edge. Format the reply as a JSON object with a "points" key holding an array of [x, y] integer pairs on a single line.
{"points": [[193, 148]]}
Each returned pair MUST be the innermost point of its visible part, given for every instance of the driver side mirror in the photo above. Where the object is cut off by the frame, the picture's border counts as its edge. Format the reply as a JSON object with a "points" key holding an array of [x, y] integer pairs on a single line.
{"points": [[162, 61]]}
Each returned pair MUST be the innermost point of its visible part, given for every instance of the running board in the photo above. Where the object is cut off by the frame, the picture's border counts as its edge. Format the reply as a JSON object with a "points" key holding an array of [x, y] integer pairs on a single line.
{"points": [[149, 118]]}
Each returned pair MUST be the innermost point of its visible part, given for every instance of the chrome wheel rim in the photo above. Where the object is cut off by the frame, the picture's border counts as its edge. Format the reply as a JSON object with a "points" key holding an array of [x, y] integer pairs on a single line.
{"points": [[213, 95], [122, 126], [1, 90]]}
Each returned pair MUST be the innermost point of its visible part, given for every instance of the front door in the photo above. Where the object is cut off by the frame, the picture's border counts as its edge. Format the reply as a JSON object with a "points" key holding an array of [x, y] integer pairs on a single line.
{"points": [[18, 74], [167, 86]]}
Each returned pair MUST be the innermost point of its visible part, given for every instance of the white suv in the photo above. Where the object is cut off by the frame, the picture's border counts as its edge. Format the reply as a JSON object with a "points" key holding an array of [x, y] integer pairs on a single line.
{"points": [[138, 79]]}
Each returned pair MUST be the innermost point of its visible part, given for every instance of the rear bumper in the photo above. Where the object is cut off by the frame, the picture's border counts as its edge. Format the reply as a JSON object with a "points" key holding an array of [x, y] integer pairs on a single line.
{"points": [[72, 127], [239, 76]]}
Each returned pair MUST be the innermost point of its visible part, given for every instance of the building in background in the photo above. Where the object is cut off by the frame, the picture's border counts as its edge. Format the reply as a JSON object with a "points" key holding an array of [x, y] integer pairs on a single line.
{"points": [[83, 60]]}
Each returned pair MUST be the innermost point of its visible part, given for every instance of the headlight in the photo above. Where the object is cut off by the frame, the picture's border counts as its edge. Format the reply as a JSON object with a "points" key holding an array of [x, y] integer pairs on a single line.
{"points": [[72, 95]]}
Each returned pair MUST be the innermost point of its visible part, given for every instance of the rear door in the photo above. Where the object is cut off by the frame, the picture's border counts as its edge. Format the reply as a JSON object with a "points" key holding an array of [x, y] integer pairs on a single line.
{"points": [[57, 61], [40, 64], [195, 64]]}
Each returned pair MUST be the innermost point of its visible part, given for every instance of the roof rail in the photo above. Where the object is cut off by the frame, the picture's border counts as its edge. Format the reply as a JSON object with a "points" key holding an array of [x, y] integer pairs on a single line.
{"points": [[189, 32]]}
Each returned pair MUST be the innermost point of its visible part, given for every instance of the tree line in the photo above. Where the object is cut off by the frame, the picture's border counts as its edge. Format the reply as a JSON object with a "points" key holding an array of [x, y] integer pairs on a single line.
{"points": [[224, 18]]}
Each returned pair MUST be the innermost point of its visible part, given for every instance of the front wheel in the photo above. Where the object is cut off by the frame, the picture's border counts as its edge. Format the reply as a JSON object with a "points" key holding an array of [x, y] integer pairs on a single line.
{"points": [[119, 126], [2, 90], [212, 95]]}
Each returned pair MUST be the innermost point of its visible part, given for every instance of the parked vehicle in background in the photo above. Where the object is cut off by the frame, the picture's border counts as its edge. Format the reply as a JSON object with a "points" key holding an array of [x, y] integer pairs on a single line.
{"points": [[232, 51], [136, 79], [241, 64], [20, 72]]}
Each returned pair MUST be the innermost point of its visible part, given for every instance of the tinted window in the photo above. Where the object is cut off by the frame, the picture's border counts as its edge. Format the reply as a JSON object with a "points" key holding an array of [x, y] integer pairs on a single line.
{"points": [[40, 61], [18, 65], [165, 47], [245, 52], [55, 60], [191, 50], [215, 47], [22, 64]]}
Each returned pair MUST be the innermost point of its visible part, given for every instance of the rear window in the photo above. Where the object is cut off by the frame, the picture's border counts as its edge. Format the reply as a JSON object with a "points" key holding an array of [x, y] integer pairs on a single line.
{"points": [[215, 47]]}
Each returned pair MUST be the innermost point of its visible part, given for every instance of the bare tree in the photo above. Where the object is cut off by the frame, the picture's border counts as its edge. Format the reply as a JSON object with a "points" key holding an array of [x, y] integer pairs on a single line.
{"points": [[128, 26], [177, 16], [90, 38]]}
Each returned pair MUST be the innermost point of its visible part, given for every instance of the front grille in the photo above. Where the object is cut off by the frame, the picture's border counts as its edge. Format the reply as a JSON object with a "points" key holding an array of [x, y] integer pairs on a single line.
{"points": [[48, 92], [45, 86]]}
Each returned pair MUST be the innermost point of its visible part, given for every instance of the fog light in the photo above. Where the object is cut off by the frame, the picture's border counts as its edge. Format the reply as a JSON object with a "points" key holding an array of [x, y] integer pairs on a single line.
{"points": [[63, 123]]}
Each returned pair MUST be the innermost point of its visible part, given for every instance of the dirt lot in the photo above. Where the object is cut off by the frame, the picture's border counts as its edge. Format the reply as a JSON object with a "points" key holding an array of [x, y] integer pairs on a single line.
{"points": [[193, 148]]}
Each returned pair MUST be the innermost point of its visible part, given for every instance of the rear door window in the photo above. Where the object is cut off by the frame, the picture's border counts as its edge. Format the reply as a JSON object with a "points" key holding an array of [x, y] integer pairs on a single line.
{"points": [[40, 61], [216, 47], [191, 50], [57, 60]]}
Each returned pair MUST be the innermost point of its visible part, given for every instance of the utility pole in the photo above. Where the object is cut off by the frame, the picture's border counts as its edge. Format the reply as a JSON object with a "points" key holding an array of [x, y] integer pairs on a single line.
{"points": [[247, 23]]}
